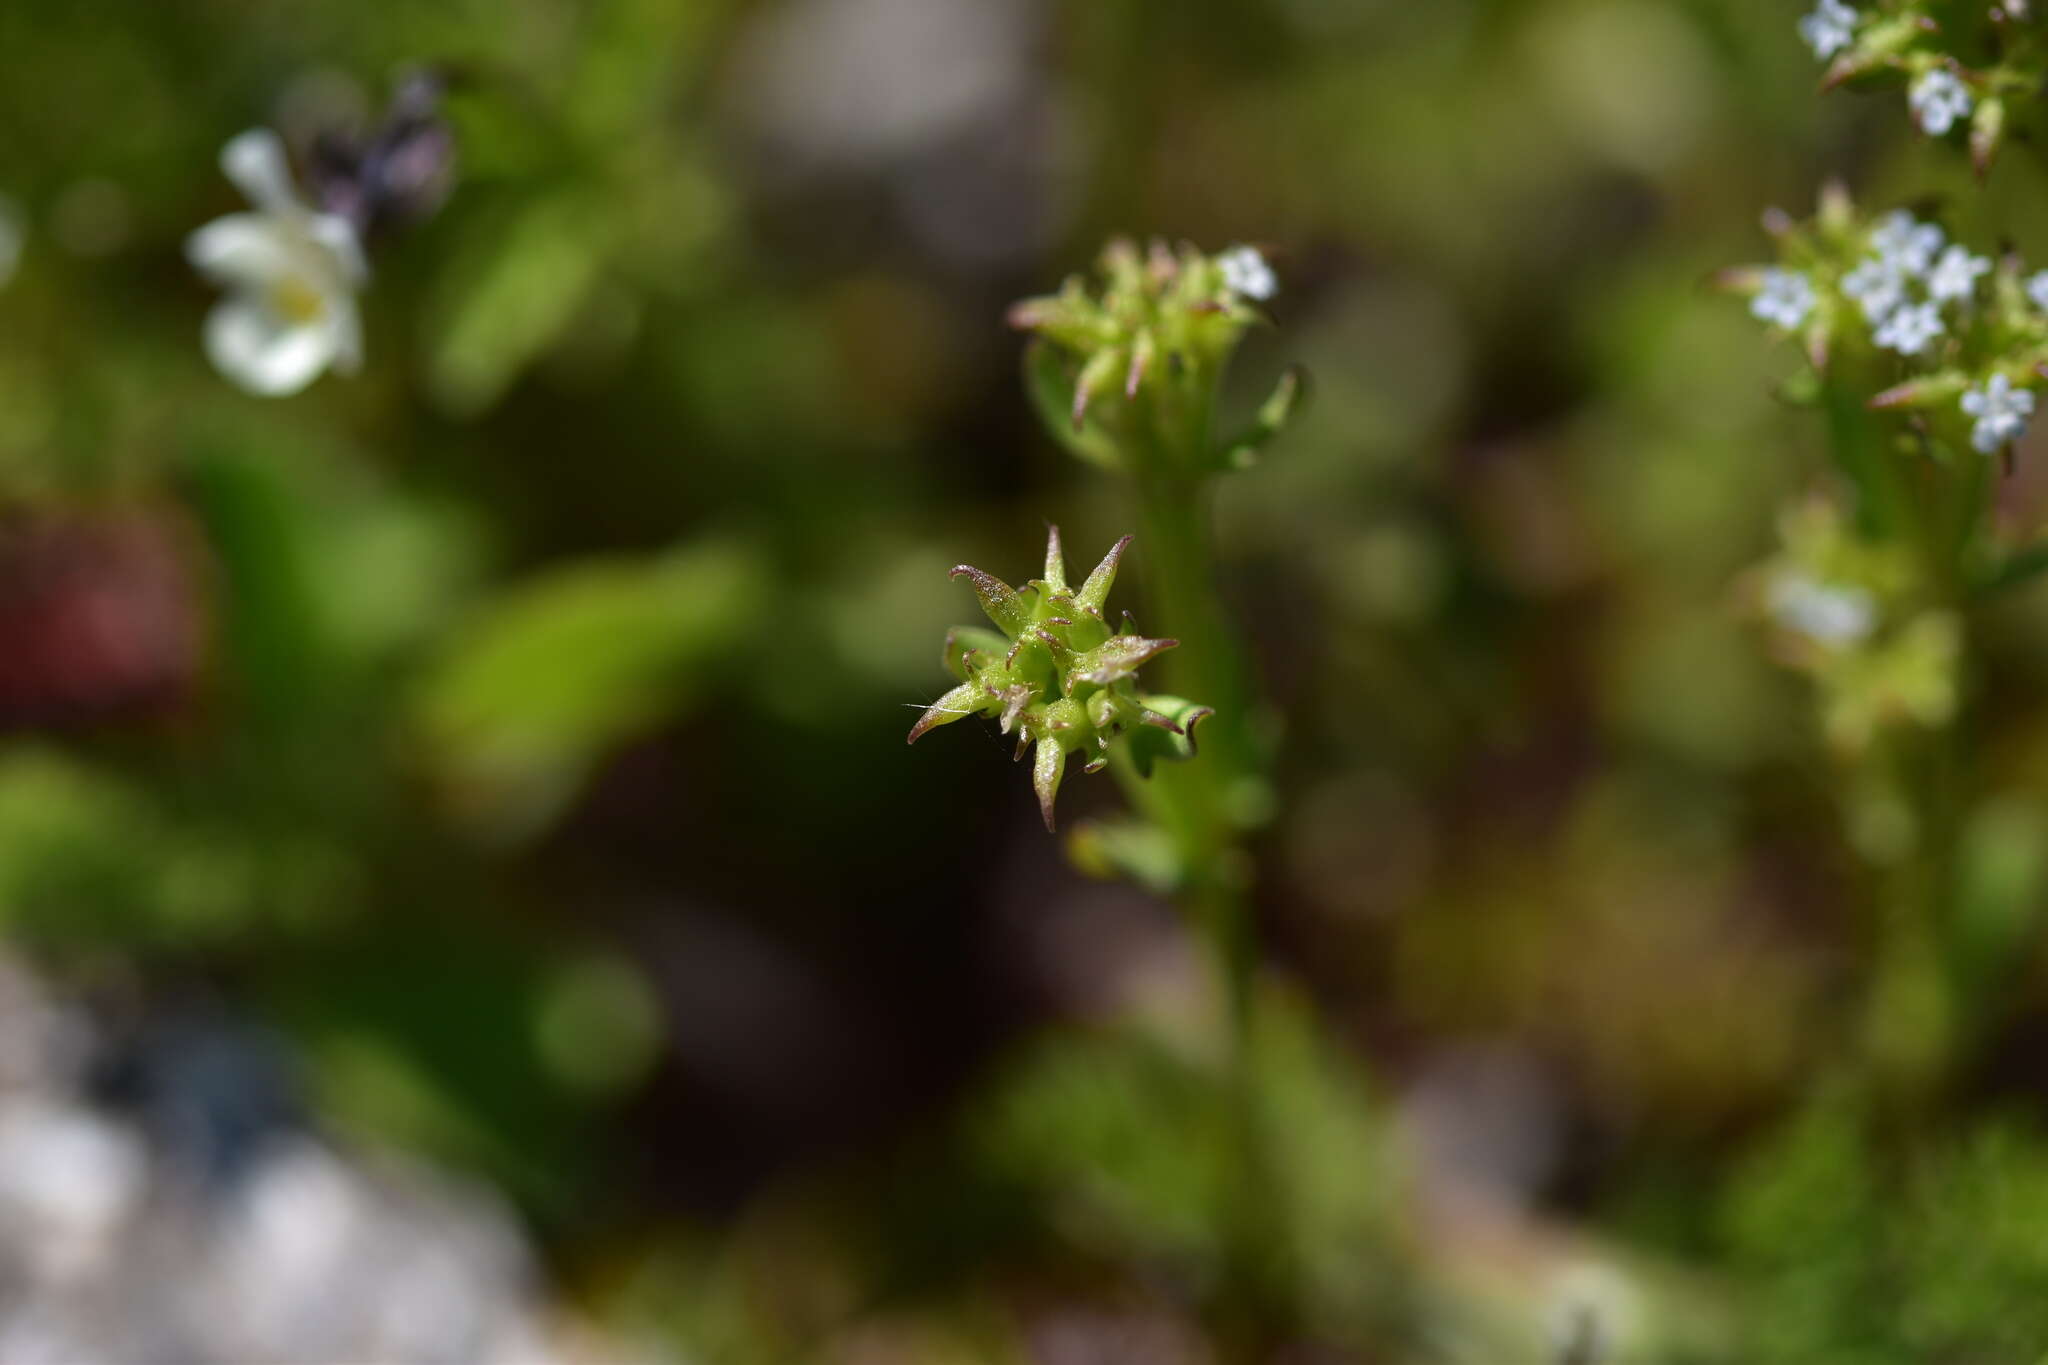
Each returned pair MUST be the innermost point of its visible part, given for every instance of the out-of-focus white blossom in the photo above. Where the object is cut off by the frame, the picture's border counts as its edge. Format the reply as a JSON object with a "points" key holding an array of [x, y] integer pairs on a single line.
{"points": [[1830, 28], [1938, 99], [1909, 328], [291, 276], [2001, 412], [2037, 289], [1876, 287], [1246, 274], [1828, 614], [1785, 299], [1905, 244], [1955, 275]]}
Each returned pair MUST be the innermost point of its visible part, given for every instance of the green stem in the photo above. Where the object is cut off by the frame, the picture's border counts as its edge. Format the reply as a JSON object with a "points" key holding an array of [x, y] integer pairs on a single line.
{"points": [[1912, 1021], [1204, 801], [1204, 806], [1862, 451], [1209, 666]]}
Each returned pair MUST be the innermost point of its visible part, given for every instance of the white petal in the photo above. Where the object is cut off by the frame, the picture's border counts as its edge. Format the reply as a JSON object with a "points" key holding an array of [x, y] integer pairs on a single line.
{"points": [[338, 235], [241, 248], [247, 343], [255, 161]]}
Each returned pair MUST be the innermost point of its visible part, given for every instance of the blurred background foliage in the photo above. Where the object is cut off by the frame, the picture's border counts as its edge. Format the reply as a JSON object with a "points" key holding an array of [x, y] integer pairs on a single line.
{"points": [[516, 727]]}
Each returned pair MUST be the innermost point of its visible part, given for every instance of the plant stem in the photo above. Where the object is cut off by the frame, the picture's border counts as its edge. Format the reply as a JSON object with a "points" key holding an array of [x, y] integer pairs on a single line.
{"points": [[1202, 804], [1912, 1025]]}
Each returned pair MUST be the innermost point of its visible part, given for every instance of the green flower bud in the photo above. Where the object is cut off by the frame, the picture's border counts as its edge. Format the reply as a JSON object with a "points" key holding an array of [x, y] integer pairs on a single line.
{"points": [[1987, 129], [1057, 676], [1126, 373]]}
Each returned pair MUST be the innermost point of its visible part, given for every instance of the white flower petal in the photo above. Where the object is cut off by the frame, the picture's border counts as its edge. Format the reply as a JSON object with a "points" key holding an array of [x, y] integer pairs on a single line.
{"points": [[1245, 273], [1835, 615], [338, 236], [255, 161], [241, 248], [250, 345]]}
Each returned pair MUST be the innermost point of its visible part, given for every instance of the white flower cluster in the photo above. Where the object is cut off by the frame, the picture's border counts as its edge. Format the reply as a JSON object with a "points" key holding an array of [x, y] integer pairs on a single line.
{"points": [[1830, 28], [1998, 413], [1910, 286], [1909, 278], [1246, 274], [1785, 299], [1831, 615], [1938, 100]]}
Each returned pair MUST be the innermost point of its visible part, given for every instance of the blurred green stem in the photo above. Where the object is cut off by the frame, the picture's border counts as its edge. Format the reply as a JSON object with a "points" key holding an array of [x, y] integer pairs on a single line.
{"points": [[1203, 806], [1911, 1023]]}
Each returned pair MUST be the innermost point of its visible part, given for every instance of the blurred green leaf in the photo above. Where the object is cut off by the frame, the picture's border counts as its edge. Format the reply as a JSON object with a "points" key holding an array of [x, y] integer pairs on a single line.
{"points": [[519, 281], [538, 688], [1051, 389]]}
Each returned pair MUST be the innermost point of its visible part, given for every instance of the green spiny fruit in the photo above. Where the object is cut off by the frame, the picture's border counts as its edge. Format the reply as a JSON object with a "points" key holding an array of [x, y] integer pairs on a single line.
{"points": [[1057, 675]]}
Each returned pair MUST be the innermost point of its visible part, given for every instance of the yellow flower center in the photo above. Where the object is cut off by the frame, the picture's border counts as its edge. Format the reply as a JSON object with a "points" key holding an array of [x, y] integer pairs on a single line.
{"points": [[296, 301]]}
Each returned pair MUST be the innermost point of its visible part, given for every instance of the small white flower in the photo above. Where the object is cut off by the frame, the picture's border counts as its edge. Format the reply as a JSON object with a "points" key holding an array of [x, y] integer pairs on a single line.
{"points": [[1909, 328], [1938, 99], [291, 276], [1829, 29], [1827, 614], [1906, 244], [2037, 289], [2001, 413], [1786, 298], [1246, 274], [1877, 287], [1955, 275]]}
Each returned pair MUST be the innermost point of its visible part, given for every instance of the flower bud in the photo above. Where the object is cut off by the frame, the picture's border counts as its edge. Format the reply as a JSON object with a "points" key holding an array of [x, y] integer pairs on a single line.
{"points": [[1987, 127], [1127, 372]]}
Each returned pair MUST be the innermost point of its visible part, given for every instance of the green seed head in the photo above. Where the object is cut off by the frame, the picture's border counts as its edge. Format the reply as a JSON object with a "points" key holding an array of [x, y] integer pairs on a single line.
{"points": [[1125, 370], [1055, 673]]}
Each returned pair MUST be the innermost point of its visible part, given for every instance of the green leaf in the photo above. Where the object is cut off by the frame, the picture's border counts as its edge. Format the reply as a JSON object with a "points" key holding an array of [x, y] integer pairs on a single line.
{"points": [[1046, 769], [1052, 393], [548, 679], [2017, 570], [1002, 602], [1055, 560], [963, 641], [1117, 658], [957, 704], [1127, 850], [1242, 451], [1168, 732], [522, 283], [1095, 592]]}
